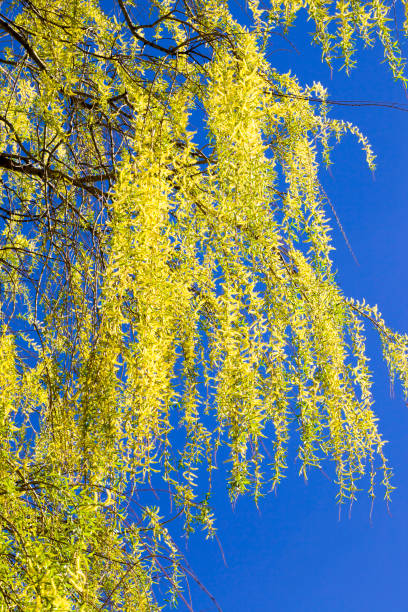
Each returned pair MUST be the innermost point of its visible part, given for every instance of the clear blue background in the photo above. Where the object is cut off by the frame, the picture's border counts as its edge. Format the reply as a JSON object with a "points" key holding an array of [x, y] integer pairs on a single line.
{"points": [[294, 554]]}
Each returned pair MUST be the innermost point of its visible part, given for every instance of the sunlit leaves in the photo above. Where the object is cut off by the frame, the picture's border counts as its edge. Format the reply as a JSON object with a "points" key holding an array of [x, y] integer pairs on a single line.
{"points": [[168, 298]]}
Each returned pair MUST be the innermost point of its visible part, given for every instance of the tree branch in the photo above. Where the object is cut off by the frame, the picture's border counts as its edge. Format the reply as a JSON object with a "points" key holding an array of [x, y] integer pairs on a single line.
{"points": [[8, 162], [23, 42]]}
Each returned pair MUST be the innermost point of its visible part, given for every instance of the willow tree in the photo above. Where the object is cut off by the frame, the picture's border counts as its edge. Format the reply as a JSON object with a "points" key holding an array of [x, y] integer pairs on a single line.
{"points": [[167, 291]]}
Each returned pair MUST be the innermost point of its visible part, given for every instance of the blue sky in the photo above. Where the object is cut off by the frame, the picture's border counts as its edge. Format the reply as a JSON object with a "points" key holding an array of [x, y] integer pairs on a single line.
{"points": [[295, 553]]}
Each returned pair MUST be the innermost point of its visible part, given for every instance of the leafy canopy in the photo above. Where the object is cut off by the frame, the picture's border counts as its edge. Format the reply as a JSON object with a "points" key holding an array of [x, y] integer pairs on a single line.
{"points": [[167, 291]]}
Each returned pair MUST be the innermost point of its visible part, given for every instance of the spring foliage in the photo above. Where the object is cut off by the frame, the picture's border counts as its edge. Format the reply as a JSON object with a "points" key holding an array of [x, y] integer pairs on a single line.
{"points": [[167, 291]]}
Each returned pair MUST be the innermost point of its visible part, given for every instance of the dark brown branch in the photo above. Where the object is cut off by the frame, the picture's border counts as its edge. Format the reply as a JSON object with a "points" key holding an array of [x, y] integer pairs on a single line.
{"points": [[23, 42], [135, 33], [9, 162]]}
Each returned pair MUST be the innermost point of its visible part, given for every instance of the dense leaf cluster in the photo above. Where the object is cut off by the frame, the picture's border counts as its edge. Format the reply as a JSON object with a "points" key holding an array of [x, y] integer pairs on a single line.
{"points": [[167, 292]]}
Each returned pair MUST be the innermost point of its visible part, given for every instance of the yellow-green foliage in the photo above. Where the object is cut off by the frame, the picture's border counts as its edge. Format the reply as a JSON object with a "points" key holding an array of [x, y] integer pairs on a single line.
{"points": [[167, 290]]}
